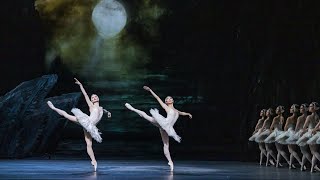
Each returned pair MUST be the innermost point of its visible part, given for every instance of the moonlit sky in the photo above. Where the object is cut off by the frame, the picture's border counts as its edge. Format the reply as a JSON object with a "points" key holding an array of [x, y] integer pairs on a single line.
{"points": [[72, 37]]}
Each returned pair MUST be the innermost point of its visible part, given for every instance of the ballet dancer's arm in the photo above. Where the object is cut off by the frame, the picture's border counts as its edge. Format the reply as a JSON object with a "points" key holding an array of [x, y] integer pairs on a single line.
{"points": [[298, 124], [163, 105], [306, 124], [90, 104], [256, 129], [264, 125], [287, 124], [108, 112], [272, 124], [185, 114]]}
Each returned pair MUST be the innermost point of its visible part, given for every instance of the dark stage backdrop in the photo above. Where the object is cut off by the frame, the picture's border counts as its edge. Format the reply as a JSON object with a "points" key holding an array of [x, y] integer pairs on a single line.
{"points": [[222, 61]]}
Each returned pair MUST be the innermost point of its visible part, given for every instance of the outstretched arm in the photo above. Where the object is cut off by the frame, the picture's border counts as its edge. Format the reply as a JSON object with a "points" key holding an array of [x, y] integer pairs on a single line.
{"points": [[185, 114], [163, 105], [108, 112], [84, 93]]}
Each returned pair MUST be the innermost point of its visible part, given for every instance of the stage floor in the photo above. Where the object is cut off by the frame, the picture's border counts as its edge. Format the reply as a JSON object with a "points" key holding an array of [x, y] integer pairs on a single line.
{"points": [[141, 169]]}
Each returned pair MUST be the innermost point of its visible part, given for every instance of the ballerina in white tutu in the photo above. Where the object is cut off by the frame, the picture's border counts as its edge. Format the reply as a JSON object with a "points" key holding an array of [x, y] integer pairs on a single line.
{"points": [[313, 121], [276, 130], [289, 132], [308, 126], [299, 132], [165, 124], [263, 133], [257, 131], [87, 122]]}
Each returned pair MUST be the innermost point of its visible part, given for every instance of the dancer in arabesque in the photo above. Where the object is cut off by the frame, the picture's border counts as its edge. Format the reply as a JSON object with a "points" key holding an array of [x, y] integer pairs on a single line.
{"points": [[165, 124], [87, 122]]}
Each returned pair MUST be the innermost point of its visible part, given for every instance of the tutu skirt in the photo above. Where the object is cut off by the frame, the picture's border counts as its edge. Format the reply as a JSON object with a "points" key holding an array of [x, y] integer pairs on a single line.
{"points": [[87, 124]]}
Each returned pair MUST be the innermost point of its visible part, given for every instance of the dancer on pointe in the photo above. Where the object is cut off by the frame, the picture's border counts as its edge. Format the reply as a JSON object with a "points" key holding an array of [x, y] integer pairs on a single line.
{"points": [[276, 128], [301, 123], [257, 131], [289, 131], [87, 122], [313, 121], [165, 125], [264, 133]]}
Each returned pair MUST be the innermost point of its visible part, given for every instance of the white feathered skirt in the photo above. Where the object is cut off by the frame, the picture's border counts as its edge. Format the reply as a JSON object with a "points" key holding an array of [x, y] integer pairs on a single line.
{"points": [[165, 124], [87, 124]]}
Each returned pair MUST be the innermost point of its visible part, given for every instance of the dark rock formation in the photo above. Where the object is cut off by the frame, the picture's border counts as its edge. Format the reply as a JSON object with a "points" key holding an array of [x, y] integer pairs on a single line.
{"points": [[27, 125]]}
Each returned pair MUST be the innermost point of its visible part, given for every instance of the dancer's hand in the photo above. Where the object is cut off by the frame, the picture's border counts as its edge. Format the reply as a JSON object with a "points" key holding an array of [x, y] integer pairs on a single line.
{"points": [[109, 114], [77, 81], [146, 88], [314, 131], [190, 116]]}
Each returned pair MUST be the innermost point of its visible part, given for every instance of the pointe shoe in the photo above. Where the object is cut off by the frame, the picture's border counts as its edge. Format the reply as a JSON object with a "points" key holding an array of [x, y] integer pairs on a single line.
{"points": [[50, 104], [128, 106], [95, 165], [271, 162], [171, 166], [316, 168], [292, 166]]}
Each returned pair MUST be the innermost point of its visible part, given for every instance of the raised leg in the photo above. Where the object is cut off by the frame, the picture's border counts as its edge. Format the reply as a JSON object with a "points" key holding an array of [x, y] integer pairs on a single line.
{"points": [[165, 140], [141, 113], [62, 112], [90, 152]]}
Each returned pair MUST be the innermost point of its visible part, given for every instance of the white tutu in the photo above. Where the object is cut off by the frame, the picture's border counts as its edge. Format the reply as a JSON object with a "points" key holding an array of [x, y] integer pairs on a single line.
{"points": [[85, 122], [272, 137], [165, 124], [284, 136], [262, 136], [313, 139], [254, 136], [294, 138], [302, 141]]}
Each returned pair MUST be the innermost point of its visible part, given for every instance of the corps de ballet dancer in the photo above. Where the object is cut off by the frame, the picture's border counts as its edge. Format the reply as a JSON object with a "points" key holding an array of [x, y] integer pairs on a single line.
{"points": [[276, 130], [257, 131], [87, 122], [263, 133], [289, 131], [165, 124], [310, 123]]}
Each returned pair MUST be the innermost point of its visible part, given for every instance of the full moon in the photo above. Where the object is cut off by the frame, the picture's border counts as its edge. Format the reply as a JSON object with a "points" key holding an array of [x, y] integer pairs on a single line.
{"points": [[109, 17]]}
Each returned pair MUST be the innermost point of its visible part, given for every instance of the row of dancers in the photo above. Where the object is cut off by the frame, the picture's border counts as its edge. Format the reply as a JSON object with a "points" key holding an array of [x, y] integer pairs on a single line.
{"points": [[299, 131], [89, 122]]}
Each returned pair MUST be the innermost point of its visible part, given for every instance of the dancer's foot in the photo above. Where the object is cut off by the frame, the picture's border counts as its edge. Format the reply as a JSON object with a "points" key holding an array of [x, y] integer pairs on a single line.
{"points": [[50, 105], [271, 162], [177, 138], [171, 165], [95, 165], [316, 168], [292, 166], [129, 106]]}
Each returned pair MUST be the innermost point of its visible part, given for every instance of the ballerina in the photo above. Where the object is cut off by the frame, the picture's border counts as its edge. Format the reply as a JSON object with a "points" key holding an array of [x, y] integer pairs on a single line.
{"points": [[264, 133], [257, 131], [276, 128], [313, 120], [87, 122], [288, 132], [300, 129], [165, 125]]}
